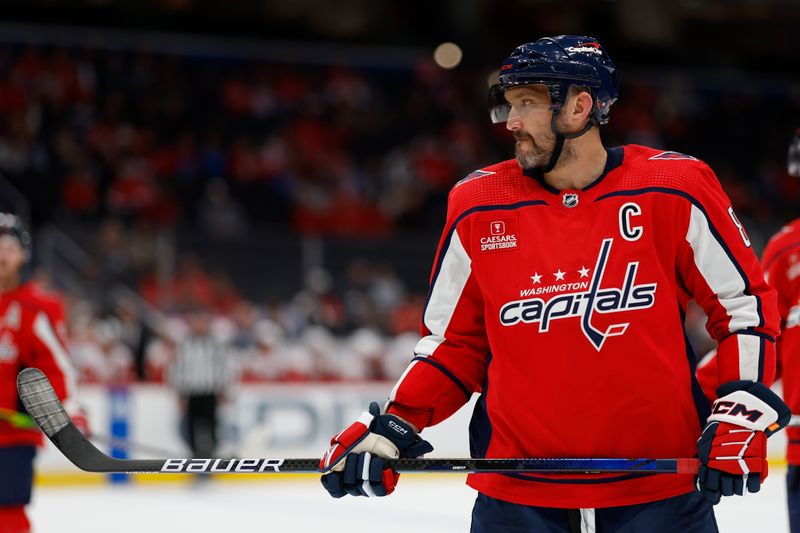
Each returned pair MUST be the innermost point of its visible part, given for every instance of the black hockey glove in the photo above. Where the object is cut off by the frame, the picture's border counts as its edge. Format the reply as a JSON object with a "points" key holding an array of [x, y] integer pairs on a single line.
{"points": [[354, 464]]}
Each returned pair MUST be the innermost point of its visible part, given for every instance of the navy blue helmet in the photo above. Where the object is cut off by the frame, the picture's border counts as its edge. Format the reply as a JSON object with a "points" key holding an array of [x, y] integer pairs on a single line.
{"points": [[793, 162], [558, 63]]}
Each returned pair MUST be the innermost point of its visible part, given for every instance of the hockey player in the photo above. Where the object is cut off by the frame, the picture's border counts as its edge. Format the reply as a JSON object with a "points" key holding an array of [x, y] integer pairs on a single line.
{"points": [[781, 264], [558, 294], [31, 335]]}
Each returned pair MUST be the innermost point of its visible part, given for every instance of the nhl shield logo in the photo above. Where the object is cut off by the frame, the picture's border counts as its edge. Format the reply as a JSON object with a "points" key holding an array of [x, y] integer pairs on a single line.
{"points": [[570, 200]]}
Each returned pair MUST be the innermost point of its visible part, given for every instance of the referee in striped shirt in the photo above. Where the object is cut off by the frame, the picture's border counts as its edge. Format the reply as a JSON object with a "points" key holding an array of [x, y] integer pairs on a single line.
{"points": [[200, 374]]}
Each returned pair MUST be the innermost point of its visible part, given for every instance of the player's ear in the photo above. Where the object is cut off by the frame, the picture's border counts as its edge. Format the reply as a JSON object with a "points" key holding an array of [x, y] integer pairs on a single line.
{"points": [[579, 106]]}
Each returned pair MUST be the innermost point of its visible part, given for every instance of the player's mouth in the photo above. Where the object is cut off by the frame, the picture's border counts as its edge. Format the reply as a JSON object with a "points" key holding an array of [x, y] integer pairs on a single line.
{"points": [[523, 137]]}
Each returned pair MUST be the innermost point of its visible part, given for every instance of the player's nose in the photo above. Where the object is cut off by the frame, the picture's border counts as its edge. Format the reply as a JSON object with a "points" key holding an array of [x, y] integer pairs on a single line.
{"points": [[513, 123]]}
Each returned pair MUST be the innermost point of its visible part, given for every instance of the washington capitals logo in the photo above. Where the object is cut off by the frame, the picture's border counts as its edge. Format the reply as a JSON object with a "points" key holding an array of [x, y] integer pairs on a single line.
{"points": [[584, 304]]}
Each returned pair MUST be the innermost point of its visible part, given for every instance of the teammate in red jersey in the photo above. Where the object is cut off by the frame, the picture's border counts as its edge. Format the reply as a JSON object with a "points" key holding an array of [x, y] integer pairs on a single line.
{"points": [[781, 263], [558, 293], [31, 335]]}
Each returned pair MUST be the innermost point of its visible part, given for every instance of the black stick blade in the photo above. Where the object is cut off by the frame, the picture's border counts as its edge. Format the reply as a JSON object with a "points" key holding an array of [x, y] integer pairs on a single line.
{"points": [[41, 402]]}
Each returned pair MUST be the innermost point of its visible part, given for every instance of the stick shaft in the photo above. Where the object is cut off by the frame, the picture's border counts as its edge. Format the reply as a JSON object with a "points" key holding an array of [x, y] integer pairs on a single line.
{"points": [[40, 400], [81, 452]]}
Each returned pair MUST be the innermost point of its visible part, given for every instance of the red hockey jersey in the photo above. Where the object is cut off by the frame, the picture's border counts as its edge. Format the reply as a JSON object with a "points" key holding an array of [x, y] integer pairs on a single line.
{"points": [[31, 335], [564, 309], [781, 262]]}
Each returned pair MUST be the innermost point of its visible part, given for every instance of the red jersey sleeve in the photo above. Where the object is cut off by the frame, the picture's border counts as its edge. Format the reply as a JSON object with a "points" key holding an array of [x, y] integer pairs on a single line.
{"points": [[48, 348], [719, 269], [451, 357], [776, 267]]}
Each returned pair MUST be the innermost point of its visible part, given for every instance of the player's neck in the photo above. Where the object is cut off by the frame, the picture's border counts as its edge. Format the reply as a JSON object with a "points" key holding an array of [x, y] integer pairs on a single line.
{"points": [[9, 283], [583, 168]]}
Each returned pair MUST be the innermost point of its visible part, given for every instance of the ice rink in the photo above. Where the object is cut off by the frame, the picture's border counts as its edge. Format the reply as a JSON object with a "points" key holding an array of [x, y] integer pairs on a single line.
{"points": [[427, 504]]}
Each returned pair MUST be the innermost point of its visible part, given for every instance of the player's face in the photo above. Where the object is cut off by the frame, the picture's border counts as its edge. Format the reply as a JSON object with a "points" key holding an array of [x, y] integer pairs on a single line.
{"points": [[12, 257], [529, 122]]}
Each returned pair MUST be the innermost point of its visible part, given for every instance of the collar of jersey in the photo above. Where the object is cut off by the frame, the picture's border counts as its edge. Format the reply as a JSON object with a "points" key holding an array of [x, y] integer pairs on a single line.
{"points": [[614, 158]]}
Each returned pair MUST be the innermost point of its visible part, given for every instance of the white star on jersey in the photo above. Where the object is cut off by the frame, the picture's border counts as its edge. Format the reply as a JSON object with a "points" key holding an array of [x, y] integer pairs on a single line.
{"points": [[537, 278], [584, 272], [559, 275]]}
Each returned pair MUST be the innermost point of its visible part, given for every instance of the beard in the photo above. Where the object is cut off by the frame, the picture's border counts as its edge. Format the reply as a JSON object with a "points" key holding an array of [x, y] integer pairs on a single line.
{"points": [[535, 155]]}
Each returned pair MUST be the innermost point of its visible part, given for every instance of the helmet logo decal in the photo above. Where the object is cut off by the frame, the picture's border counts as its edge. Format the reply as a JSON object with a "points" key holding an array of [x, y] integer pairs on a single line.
{"points": [[586, 48]]}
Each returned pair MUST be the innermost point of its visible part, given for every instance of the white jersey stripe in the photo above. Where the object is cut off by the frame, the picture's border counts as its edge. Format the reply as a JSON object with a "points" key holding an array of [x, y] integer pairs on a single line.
{"points": [[448, 285], [445, 294], [721, 274], [428, 344], [43, 329], [393, 394], [749, 356]]}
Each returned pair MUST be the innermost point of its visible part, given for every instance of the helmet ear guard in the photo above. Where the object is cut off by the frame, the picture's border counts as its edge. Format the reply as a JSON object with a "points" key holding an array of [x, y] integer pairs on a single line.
{"points": [[793, 157]]}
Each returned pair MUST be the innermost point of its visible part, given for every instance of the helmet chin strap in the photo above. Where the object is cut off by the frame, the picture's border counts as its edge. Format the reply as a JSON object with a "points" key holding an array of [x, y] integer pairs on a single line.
{"points": [[560, 138]]}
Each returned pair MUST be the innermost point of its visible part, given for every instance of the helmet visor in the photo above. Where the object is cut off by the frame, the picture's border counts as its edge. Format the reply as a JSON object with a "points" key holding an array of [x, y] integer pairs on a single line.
{"points": [[500, 109]]}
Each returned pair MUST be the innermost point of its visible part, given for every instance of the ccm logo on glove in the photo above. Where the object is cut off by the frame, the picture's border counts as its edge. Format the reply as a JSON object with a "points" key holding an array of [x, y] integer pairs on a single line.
{"points": [[733, 409], [397, 427]]}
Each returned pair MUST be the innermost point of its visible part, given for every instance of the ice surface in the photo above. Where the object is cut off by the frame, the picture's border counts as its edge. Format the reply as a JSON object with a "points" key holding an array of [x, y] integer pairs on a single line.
{"points": [[432, 503]]}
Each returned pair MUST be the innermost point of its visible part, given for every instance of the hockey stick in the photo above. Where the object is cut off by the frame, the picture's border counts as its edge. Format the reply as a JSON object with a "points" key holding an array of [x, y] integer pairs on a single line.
{"points": [[24, 421], [118, 442], [40, 400]]}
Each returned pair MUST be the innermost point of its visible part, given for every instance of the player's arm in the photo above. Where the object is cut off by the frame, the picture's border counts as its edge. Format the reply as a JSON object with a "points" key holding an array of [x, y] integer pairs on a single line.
{"points": [[717, 265], [449, 364], [776, 267], [49, 354]]}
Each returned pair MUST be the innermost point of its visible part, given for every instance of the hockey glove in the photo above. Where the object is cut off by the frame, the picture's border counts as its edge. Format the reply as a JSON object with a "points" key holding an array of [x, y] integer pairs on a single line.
{"points": [[733, 446], [354, 464]]}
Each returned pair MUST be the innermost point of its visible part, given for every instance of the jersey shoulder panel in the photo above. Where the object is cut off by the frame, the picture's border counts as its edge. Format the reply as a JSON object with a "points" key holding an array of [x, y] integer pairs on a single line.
{"points": [[645, 167], [784, 241], [35, 298], [499, 184]]}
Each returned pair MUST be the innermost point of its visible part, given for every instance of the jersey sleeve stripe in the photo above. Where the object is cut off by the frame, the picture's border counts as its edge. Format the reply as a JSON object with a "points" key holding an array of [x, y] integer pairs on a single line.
{"points": [[393, 393], [447, 373], [438, 366], [755, 334], [721, 273], [428, 344], [44, 331], [750, 354], [456, 267]]}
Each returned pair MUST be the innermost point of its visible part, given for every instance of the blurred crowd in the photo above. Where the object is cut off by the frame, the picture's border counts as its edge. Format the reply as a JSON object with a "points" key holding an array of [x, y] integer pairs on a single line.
{"points": [[224, 144], [134, 144], [363, 330]]}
